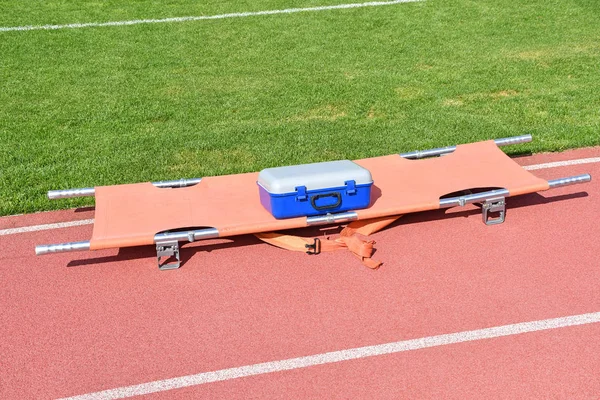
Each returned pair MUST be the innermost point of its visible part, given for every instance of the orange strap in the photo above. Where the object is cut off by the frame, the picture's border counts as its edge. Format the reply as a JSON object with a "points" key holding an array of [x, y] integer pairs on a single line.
{"points": [[348, 239]]}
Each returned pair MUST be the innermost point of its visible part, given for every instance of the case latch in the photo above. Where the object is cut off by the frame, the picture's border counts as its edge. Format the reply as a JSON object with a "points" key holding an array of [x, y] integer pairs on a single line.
{"points": [[301, 193], [350, 187]]}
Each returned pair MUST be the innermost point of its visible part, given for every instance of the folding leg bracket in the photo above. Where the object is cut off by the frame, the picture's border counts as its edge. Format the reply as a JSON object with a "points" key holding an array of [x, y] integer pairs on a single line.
{"points": [[167, 254], [494, 205]]}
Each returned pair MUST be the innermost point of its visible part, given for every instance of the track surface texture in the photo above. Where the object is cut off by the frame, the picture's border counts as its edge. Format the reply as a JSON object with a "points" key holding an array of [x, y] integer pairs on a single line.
{"points": [[79, 323]]}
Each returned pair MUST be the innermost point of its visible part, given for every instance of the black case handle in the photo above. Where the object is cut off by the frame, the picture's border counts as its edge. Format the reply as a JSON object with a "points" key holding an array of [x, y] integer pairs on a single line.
{"points": [[326, 207]]}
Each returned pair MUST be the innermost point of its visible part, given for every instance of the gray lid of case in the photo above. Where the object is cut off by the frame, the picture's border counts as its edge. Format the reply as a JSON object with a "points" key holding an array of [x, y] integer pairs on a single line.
{"points": [[314, 176]]}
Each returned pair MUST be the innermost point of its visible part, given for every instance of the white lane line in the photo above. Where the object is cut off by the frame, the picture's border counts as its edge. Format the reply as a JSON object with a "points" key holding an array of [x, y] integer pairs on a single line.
{"points": [[34, 228], [205, 17], [562, 163], [91, 221], [338, 356]]}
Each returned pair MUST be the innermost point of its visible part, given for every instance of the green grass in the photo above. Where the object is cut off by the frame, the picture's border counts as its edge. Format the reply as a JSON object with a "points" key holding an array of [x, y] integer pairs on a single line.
{"points": [[110, 105]]}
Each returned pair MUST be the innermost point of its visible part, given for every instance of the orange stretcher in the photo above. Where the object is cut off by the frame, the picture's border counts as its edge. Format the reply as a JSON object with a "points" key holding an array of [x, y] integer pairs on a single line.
{"points": [[166, 213]]}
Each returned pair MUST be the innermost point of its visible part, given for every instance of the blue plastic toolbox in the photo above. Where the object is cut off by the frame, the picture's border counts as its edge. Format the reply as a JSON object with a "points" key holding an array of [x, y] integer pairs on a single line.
{"points": [[314, 189]]}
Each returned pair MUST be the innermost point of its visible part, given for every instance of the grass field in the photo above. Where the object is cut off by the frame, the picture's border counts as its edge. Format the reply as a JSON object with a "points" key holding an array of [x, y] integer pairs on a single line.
{"points": [[108, 105]]}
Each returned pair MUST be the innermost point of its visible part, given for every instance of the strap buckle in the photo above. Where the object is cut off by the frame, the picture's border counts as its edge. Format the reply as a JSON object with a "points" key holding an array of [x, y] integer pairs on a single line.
{"points": [[314, 248]]}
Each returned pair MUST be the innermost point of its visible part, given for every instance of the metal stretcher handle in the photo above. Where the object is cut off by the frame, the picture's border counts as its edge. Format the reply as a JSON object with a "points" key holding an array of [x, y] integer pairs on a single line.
{"points": [[189, 236], [83, 192], [447, 150], [64, 194], [478, 197], [61, 248], [572, 180]]}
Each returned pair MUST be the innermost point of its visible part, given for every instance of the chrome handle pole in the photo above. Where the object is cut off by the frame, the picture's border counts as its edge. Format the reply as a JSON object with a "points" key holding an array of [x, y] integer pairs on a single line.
{"points": [[69, 193], [190, 236], [413, 155], [61, 248], [572, 180]]}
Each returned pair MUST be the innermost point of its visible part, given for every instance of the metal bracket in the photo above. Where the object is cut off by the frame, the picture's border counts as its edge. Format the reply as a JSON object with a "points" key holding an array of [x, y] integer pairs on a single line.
{"points": [[494, 205], [169, 250]]}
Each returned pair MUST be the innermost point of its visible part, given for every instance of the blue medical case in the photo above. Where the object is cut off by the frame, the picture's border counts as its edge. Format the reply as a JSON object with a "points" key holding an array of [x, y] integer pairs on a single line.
{"points": [[314, 189]]}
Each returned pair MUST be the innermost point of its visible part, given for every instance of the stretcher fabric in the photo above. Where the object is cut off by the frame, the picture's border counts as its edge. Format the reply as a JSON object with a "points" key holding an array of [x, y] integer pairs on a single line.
{"points": [[130, 215]]}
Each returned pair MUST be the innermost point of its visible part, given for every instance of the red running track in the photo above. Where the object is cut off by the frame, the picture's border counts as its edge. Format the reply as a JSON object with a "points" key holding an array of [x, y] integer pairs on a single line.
{"points": [[80, 323]]}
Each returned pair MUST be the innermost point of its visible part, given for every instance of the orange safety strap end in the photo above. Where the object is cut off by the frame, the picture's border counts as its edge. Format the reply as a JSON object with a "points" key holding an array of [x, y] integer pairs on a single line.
{"points": [[368, 226], [363, 249]]}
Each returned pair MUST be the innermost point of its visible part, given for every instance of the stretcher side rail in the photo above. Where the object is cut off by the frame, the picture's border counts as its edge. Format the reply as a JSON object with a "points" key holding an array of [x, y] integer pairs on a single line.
{"points": [[418, 154], [89, 192]]}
